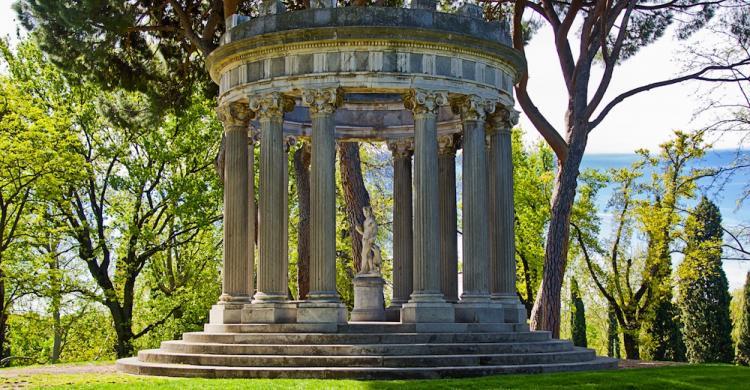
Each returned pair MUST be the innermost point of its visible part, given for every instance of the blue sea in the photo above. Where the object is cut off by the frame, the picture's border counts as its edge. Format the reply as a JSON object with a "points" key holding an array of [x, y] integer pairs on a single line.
{"points": [[725, 193]]}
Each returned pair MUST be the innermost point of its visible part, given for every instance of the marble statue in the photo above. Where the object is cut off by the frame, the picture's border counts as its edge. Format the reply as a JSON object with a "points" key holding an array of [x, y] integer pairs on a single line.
{"points": [[371, 256]]}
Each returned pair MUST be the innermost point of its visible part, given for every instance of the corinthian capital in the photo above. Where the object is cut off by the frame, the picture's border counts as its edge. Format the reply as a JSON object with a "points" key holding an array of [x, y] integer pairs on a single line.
{"points": [[270, 105], [472, 107], [234, 115], [502, 120], [401, 147], [421, 101], [322, 101], [448, 144]]}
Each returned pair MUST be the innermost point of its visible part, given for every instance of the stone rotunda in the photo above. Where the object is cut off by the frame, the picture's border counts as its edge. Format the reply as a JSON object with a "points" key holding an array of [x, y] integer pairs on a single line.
{"points": [[425, 83]]}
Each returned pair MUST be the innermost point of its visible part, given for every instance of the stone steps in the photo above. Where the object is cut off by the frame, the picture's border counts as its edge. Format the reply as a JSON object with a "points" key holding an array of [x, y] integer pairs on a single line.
{"points": [[366, 349], [135, 366], [371, 338], [367, 327], [161, 356], [362, 351]]}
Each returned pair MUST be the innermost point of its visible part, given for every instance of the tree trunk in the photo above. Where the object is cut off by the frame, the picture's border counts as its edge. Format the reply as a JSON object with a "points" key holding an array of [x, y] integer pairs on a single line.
{"points": [[3, 318], [356, 196], [546, 312], [631, 345], [302, 177], [55, 306], [122, 323]]}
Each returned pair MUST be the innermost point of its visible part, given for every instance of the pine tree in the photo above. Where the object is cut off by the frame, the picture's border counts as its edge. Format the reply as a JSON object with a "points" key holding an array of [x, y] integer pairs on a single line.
{"points": [[577, 316], [742, 350], [704, 290], [613, 335]]}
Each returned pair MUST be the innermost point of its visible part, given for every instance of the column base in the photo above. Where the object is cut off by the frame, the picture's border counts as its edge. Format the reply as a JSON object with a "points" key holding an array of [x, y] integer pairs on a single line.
{"points": [[479, 312], [416, 312], [312, 312], [393, 314], [269, 313], [514, 310], [226, 313]]}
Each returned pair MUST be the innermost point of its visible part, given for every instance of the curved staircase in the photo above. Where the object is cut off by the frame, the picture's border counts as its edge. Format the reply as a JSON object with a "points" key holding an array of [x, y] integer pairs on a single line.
{"points": [[362, 351]]}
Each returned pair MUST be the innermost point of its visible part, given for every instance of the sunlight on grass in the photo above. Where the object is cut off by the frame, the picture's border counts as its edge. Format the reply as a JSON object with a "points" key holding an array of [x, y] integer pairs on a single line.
{"points": [[683, 377]]}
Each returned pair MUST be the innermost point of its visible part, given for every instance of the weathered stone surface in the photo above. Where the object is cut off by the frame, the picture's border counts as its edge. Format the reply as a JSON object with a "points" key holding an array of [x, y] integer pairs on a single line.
{"points": [[270, 313], [318, 312], [368, 299]]}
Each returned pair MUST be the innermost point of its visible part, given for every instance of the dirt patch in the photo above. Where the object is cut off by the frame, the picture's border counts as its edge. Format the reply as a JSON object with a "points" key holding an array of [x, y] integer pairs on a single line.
{"points": [[626, 363], [60, 369]]}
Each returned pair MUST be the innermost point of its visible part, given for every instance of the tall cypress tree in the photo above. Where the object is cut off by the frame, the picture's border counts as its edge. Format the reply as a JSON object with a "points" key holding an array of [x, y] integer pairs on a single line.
{"points": [[577, 316], [663, 332], [704, 290], [742, 351]]}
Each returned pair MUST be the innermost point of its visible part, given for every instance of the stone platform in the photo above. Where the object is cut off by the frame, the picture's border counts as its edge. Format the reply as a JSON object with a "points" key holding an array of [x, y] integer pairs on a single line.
{"points": [[362, 351]]}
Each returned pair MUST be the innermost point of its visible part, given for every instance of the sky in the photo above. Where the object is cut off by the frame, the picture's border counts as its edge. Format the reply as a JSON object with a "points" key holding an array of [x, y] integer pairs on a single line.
{"points": [[643, 121]]}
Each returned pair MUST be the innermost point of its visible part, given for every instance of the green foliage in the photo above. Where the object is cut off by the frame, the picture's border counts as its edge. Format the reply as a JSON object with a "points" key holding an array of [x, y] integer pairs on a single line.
{"points": [[577, 316], [662, 333], [533, 175], [742, 348], [704, 297]]}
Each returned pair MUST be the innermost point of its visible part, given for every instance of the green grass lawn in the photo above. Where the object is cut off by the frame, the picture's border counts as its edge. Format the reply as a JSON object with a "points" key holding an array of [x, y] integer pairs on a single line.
{"points": [[681, 377]]}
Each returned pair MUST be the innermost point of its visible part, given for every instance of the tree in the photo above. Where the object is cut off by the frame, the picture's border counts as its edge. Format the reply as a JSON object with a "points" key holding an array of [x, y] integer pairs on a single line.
{"points": [[302, 158], [533, 173], [742, 349], [356, 196], [577, 316], [37, 144], [704, 290], [606, 34], [637, 284], [149, 188], [662, 332]]}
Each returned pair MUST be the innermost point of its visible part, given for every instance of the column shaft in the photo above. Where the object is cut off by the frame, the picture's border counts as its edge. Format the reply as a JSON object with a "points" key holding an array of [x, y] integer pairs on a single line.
{"points": [[448, 218], [475, 220], [403, 235], [323, 209], [505, 238], [426, 233], [237, 276], [272, 280]]}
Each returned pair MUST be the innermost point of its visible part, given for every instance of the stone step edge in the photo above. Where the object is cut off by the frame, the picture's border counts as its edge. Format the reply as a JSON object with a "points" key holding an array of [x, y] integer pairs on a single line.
{"points": [[134, 366], [575, 350], [264, 334], [384, 345]]}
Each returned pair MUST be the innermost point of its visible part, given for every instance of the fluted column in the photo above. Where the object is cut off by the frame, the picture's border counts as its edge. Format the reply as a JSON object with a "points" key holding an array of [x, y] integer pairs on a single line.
{"points": [[272, 279], [403, 235], [323, 304], [503, 269], [237, 270], [447, 146], [237, 275], [426, 303], [475, 300], [322, 104]]}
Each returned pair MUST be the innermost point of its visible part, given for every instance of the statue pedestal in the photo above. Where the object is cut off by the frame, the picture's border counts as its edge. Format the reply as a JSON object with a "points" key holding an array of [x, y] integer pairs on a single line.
{"points": [[368, 298]]}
